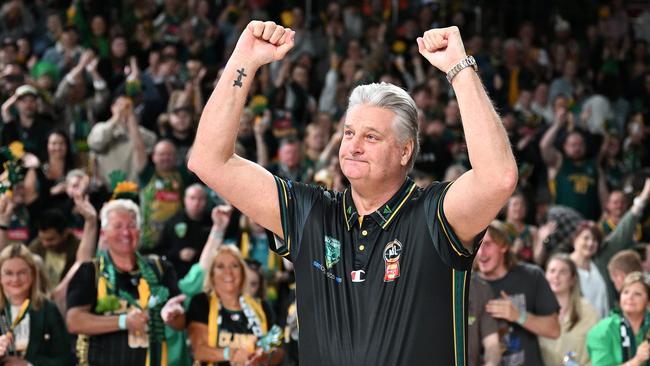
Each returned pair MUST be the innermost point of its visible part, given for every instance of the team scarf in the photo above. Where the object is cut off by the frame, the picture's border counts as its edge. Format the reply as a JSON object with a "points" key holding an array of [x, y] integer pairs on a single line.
{"points": [[252, 310], [628, 340], [151, 296]]}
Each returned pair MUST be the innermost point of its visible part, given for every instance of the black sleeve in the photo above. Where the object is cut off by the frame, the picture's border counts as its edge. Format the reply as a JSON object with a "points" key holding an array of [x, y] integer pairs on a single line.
{"points": [[296, 201], [170, 279], [447, 244], [545, 301], [199, 309], [82, 289]]}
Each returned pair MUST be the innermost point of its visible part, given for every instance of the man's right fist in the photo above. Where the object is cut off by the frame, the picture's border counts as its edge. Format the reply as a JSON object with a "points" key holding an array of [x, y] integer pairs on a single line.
{"points": [[264, 42]]}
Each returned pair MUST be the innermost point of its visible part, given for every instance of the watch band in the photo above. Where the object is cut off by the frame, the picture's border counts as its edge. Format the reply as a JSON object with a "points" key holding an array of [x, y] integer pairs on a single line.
{"points": [[463, 63]]}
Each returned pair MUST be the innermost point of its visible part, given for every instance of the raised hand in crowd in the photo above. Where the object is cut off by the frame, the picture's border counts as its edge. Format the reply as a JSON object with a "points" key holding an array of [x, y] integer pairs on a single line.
{"points": [[220, 218], [642, 199], [173, 308]]}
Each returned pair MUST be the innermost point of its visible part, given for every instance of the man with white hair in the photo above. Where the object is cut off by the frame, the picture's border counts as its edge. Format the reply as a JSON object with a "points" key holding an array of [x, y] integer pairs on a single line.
{"points": [[121, 301], [382, 269]]}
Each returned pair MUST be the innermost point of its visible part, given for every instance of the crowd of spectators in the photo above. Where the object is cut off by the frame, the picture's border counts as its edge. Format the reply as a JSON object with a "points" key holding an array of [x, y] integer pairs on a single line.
{"points": [[100, 100]]}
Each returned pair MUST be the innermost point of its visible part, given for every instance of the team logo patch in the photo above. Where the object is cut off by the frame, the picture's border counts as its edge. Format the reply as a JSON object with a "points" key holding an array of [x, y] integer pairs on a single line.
{"points": [[392, 253], [180, 229], [332, 251], [358, 276]]}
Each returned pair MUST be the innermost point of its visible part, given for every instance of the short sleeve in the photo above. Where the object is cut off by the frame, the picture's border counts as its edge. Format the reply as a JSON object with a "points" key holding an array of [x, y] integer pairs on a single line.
{"points": [[296, 201], [545, 300], [449, 247], [199, 309], [600, 345], [82, 289], [483, 293]]}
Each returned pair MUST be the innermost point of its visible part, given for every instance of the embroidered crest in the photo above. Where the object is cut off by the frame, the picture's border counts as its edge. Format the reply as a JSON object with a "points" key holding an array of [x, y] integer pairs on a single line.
{"points": [[332, 251]]}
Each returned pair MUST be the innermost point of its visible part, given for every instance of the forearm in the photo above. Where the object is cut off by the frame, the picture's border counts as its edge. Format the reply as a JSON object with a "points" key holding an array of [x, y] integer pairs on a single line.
{"points": [[215, 239], [487, 142], [215, 139], [546, 147], [81, 321], [544, 326], [492, 347], [87, 248]]}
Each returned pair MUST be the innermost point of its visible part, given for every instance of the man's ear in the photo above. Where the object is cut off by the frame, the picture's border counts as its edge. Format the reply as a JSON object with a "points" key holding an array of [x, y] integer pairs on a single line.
{"points": [[407, 151]]}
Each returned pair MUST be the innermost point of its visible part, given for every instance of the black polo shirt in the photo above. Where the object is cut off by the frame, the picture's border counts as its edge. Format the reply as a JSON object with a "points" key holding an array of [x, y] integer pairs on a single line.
{"points": [[388, 289]]}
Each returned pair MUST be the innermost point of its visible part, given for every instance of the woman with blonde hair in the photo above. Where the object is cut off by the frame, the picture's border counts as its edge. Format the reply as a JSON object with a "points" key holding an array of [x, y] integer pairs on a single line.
{"points": [[621, 338], [33, 331], [577, 316], [225, 325]]}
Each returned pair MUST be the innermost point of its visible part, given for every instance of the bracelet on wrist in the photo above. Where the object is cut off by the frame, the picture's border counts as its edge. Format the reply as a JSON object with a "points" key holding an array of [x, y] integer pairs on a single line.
{"points": [[523, 315], [226, 354], [121, 322], [4, 227]]}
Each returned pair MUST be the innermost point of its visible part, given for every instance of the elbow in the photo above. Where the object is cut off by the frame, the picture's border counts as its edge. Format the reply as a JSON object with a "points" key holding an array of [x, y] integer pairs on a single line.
{"points": [[510, 178], [72, 324], [554, 331]]}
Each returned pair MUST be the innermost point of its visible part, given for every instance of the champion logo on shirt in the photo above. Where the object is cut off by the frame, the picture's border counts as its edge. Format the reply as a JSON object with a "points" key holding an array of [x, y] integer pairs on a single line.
{"points": [[358, 276]]}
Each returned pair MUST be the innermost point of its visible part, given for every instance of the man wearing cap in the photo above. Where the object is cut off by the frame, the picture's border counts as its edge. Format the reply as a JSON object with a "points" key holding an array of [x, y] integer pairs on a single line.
{"points": [[27, 125], [382, 270]]}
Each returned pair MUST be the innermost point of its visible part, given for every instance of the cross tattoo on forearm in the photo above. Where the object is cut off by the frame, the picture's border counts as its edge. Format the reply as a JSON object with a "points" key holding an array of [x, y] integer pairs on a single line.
{"points": [[239, 78]]}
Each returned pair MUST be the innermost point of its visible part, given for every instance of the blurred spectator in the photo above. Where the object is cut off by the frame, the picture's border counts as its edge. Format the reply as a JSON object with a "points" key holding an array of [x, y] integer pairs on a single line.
{"points": [[184, 234], [622, 264], [27, 125], [66, 52], [522, 236], [290, 164], [223, 296], [80, 108], [45, 181], [33, 330], [121, 273], [523, 299], [621, 337], [483, 346], [575, 179], [162, 183], [113, 141], [577, 316]]}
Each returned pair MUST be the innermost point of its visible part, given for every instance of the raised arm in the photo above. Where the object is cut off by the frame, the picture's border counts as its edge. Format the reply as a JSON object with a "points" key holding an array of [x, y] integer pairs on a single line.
{"points": [[478, 195], [244, 184], [551, 156]]}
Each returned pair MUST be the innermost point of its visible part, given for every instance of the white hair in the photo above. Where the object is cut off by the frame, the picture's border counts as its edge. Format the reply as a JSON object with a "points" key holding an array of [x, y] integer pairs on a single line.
{"points": [[119, 204], [398, 101]]}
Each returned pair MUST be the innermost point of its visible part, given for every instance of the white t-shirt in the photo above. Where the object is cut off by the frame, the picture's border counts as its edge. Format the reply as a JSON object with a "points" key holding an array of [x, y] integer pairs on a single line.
{"points": [[594, 289], [21, 332]]}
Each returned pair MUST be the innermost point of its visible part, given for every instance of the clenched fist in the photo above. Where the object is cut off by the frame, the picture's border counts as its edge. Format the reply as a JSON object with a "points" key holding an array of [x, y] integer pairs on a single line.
{"points": [[264, 42], [442, 47]]}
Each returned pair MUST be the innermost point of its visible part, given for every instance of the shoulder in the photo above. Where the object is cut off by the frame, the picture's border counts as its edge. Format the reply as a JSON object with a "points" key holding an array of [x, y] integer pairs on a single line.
{"points": [[527, 269], [606, 328], [86, 271]]}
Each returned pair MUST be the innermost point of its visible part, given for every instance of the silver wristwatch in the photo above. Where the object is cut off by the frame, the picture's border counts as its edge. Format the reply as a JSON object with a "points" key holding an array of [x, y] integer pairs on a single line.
{"points": [[466, 62]]}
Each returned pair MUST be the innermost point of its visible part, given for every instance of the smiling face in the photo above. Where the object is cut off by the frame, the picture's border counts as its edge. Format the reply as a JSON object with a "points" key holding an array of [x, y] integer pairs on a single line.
{"points": [[516, 208], [227, 274], [585, 244], [558, 275], [634, 299], [56, 147], [121, 232], [370, 150], [16, 278], [491, 258]]}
